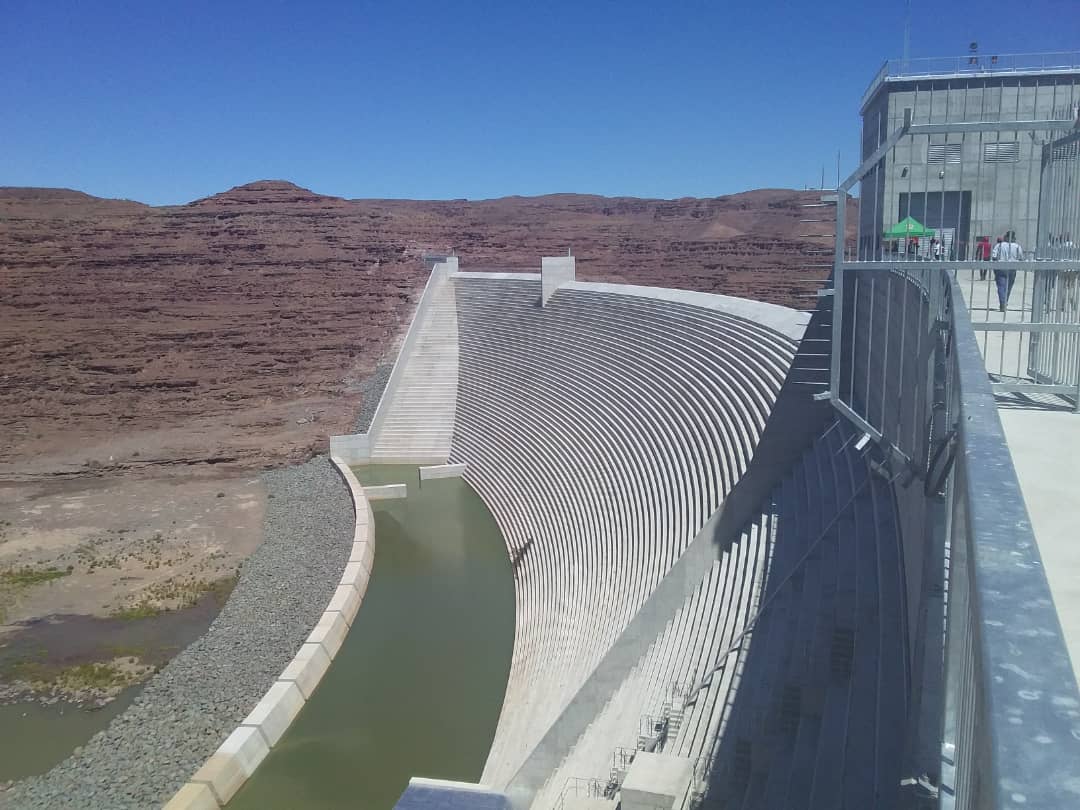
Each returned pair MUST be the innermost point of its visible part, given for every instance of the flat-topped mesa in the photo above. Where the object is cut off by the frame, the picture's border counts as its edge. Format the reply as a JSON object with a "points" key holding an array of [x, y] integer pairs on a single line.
{"points": [[266, 192]]}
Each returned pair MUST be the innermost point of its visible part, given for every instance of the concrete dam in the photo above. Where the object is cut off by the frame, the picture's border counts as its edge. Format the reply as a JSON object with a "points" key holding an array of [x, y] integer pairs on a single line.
{"points": [[708, 586], [721, 585]]}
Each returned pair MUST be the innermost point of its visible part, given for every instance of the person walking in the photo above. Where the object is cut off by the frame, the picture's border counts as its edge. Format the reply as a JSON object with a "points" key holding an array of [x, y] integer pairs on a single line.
{"points": [[982, 254], [1006, 250]]}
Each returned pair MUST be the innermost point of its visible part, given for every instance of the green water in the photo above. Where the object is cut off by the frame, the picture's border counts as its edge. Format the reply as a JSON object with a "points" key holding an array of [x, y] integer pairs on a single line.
{"points": [[417, 687], [36, 737]]}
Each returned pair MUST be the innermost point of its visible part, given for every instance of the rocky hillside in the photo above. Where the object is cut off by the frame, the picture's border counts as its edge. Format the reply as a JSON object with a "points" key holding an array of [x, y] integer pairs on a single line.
{"points": [[235, 330]]}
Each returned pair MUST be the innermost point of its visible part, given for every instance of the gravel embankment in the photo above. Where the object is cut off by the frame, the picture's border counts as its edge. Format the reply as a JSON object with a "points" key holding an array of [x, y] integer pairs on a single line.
{"points": [[194, 703], [371, 390]]}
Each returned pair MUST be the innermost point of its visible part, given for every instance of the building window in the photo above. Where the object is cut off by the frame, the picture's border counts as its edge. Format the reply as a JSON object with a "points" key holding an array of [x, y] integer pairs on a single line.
{"points": [[1068, 151], [943, 153], [1003, 152]]}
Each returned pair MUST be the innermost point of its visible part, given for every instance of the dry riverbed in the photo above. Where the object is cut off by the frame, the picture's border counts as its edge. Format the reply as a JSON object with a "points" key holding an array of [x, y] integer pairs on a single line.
{"points": [[103, 580]]}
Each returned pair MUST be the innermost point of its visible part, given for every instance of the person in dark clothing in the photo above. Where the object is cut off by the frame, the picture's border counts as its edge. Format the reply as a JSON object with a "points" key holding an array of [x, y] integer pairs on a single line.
{"points": [[982, 254], [1006, 250]]}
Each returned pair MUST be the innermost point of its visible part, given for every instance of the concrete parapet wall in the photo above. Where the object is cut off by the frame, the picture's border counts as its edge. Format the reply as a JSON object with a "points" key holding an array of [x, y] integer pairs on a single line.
{"points": [[354, 448], [237, 758], [555, 271], [442, 471], [225, 772], [307, 668], [275, 712], [193, 796]]}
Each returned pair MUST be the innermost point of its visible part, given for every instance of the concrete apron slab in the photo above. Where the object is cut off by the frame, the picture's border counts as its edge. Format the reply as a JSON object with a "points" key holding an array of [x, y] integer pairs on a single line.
{"points": [[234, 762]]}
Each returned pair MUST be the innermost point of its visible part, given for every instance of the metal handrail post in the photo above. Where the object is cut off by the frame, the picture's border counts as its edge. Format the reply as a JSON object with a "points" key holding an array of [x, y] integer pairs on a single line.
{"points": [[1076, 402], [838, 295]]}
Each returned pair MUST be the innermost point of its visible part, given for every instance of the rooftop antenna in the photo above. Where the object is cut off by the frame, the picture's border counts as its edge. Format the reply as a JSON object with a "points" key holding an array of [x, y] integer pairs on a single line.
{"points": [[907, 35]]}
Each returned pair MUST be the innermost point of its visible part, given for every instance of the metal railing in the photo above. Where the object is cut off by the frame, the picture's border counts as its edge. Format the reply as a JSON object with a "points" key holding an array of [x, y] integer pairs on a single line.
{"points": [[971, 64], [1009, 687], [912, 375], [1032, 346], [920, 344], [1008, 682], [577, 787]]}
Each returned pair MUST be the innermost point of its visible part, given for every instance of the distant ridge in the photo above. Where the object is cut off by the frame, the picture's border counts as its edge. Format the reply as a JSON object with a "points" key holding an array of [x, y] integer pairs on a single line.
{"points": [[256, 308], [61, 203], [262, 192]]}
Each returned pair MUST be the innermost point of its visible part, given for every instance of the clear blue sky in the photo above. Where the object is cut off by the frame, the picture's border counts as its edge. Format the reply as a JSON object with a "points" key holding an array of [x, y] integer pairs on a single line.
{"points": [[166, 102]]}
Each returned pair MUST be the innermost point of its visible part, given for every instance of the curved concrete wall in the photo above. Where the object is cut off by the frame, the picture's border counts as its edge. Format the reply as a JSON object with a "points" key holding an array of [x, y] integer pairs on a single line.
{"points": [[602, 431], [225, 772]]}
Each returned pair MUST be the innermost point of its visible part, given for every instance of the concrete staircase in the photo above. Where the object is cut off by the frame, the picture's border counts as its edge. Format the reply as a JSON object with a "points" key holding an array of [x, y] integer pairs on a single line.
{"points": [[419, 422]]}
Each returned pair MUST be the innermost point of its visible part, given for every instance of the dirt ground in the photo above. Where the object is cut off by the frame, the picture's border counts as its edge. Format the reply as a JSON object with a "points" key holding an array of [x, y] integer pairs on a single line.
{"points": [[103, 547], [95, 562]]}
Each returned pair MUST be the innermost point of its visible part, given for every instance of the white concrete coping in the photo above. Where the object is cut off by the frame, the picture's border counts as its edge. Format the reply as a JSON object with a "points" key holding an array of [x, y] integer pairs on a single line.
{"points": [[193, 796], [356, 576], [231, 765], [307, 668], [223, 774], [442, 471], [365, 520], [273, 714], [330, 632], [346, 599], [363, 553], [788, 322], [386, 491]]}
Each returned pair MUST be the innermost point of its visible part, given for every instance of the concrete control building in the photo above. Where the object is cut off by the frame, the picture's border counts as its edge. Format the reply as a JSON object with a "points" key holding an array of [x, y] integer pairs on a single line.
{"points": [[965, 184]]}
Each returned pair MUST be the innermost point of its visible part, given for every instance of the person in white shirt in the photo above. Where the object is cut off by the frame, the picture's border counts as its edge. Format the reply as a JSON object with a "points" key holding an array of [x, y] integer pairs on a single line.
{"points": [[1007, 250]]}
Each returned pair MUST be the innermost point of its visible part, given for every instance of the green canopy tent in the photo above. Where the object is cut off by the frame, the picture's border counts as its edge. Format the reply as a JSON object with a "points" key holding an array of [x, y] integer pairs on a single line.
{"points": [[907, 228]]}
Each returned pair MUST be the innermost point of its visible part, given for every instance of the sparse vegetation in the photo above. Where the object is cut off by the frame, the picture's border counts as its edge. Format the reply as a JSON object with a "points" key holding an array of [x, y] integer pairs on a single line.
{"points": [[94, 675], [176, 594], [143, 609], [25, 577]]}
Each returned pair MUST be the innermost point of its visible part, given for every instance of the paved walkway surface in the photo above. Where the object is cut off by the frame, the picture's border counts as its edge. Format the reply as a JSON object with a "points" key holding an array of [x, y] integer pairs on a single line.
{"points": [[1045, 446], [1044, 440]]}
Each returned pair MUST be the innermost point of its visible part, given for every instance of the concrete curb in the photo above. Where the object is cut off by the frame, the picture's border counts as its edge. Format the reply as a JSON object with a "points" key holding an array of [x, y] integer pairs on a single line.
{"points": [[228, 768]]}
